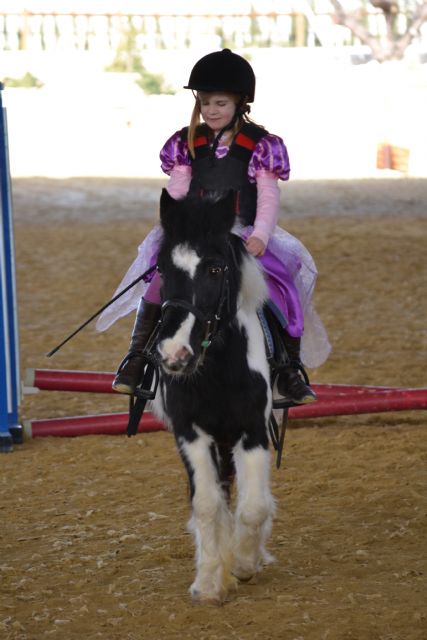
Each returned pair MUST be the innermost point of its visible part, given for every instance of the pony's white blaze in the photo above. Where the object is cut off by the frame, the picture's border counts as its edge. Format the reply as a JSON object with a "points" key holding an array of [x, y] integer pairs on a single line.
{"points": [[185, 258], [171, 349]]}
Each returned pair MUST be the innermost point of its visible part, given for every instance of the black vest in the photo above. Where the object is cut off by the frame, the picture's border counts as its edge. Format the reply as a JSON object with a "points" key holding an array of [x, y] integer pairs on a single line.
{"points": [[230, 172]]}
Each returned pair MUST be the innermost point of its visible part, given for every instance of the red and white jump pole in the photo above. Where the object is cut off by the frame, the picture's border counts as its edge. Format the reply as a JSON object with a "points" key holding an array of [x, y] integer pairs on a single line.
{"points": [[62, 380], [364, 402], [333, 400], [95, 382], [104, 424]]}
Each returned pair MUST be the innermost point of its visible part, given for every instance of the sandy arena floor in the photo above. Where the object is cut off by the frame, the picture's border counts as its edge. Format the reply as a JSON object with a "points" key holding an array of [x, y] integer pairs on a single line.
{"points": [[94, 540]]}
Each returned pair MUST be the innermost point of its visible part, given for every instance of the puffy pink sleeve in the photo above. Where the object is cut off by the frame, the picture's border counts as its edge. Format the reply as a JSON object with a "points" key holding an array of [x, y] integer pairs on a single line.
{"points": [[175, 152], [271, 155], [268, 206]]}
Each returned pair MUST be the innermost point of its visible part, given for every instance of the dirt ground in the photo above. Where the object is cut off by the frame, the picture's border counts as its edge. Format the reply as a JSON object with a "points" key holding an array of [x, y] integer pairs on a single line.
{"points": [[94, 541]]}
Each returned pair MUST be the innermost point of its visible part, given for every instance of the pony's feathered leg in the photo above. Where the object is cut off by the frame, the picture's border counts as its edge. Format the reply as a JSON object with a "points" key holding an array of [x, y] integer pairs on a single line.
{"points": [[210, 522], [254, 510]]}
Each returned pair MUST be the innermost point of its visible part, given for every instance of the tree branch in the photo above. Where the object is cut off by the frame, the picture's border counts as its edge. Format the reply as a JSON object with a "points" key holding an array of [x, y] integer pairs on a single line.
{"points": [[394, 48], [413, 29], [361, 32]]}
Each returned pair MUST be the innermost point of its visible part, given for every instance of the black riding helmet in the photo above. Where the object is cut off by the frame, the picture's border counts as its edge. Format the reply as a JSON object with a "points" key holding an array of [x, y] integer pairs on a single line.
{"points": [[223, 71]]}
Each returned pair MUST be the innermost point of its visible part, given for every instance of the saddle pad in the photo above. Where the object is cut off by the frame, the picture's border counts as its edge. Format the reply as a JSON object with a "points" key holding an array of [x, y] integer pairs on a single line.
{"points": [[267, 333], [263, 315]]}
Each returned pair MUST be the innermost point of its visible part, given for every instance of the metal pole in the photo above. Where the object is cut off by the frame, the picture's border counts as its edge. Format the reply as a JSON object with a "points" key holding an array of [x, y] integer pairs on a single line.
{"points": [[10, 395]]}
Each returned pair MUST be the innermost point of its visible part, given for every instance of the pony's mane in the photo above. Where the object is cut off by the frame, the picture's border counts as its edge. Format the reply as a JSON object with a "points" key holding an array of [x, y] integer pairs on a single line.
{"points": [[253, 288], [193, 220]]}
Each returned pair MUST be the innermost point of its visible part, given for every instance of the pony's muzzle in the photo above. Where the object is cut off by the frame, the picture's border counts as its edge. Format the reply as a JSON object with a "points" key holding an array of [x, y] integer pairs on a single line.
{"points": [[174, 359]]}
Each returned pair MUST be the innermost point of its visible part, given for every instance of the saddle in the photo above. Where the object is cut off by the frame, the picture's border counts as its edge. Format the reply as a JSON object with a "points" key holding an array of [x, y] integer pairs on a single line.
{"points": [[271, 325]]}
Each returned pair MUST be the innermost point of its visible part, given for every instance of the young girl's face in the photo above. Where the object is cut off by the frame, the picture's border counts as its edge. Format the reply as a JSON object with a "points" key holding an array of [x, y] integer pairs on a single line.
{"points": [[217, 109]]}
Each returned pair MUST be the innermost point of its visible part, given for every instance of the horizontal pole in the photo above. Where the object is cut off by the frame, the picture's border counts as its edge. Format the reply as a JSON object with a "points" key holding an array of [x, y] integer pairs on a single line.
{"points": [[104, 424], [63, 380], [97, 382], [373, 402], [116, 424], [325, 390]]}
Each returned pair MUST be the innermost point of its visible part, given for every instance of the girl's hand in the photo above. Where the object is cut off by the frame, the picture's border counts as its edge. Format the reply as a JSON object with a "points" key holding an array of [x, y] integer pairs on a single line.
{"points": [[255, 246]]}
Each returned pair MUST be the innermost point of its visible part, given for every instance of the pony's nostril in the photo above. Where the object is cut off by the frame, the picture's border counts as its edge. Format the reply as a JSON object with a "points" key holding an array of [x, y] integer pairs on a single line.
{"points": [[173, 366], [183, 355]]}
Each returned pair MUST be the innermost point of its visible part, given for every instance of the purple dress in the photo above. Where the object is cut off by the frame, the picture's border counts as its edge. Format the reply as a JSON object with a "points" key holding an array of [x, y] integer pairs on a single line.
{"points": [[288, 266]]}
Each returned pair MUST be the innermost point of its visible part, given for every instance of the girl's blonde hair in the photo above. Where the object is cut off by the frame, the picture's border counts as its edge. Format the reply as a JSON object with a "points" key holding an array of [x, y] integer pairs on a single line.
{"points": [[196, 121]]}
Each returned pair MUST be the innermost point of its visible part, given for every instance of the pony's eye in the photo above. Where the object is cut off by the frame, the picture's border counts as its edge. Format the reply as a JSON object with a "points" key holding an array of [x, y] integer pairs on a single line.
{"points": [[215, 271]]}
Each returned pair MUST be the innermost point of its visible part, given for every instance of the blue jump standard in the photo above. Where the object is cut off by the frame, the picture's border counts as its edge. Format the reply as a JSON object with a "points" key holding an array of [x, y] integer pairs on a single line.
{"points": [[10, 429]]}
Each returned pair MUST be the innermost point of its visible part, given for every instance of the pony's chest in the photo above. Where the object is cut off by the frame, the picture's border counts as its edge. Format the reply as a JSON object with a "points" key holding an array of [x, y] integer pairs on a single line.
{"points": [[222, 398]]}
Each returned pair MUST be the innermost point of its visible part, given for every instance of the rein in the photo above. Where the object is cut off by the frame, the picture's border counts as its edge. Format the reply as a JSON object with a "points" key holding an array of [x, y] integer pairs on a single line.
{"points": [[105, 306]]}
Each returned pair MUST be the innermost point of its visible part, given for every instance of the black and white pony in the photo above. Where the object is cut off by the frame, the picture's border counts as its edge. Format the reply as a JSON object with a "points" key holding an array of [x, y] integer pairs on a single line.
{"points": [[215, 388]]}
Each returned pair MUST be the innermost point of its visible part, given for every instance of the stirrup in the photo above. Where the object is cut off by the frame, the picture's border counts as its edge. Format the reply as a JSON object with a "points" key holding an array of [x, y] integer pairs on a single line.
{"points": [[144, 391], [126, 383], [280, 401], [149, 378], [300, 383]]}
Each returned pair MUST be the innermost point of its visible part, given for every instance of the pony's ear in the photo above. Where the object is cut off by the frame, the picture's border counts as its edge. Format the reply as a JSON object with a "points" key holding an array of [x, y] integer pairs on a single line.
{"points": [[166, 201], [167, 207]]}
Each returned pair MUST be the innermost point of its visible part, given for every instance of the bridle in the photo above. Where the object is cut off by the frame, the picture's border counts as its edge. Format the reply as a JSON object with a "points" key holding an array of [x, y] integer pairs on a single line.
{"points": [[210, 321]]}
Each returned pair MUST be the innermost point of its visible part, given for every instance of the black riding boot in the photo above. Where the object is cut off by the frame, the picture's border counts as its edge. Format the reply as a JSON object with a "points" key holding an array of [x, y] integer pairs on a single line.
{"points": [[129, 372], [291, 382]]}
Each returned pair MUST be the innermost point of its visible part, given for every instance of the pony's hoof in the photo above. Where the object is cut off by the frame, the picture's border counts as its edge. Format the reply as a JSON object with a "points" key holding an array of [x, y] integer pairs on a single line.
{"points": [[250, 577], [231, 583], [244, 575], [198, 598]]}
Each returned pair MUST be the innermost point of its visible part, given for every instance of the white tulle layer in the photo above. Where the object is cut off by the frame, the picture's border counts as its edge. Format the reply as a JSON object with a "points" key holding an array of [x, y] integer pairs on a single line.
{"points": [[315, 346]]}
